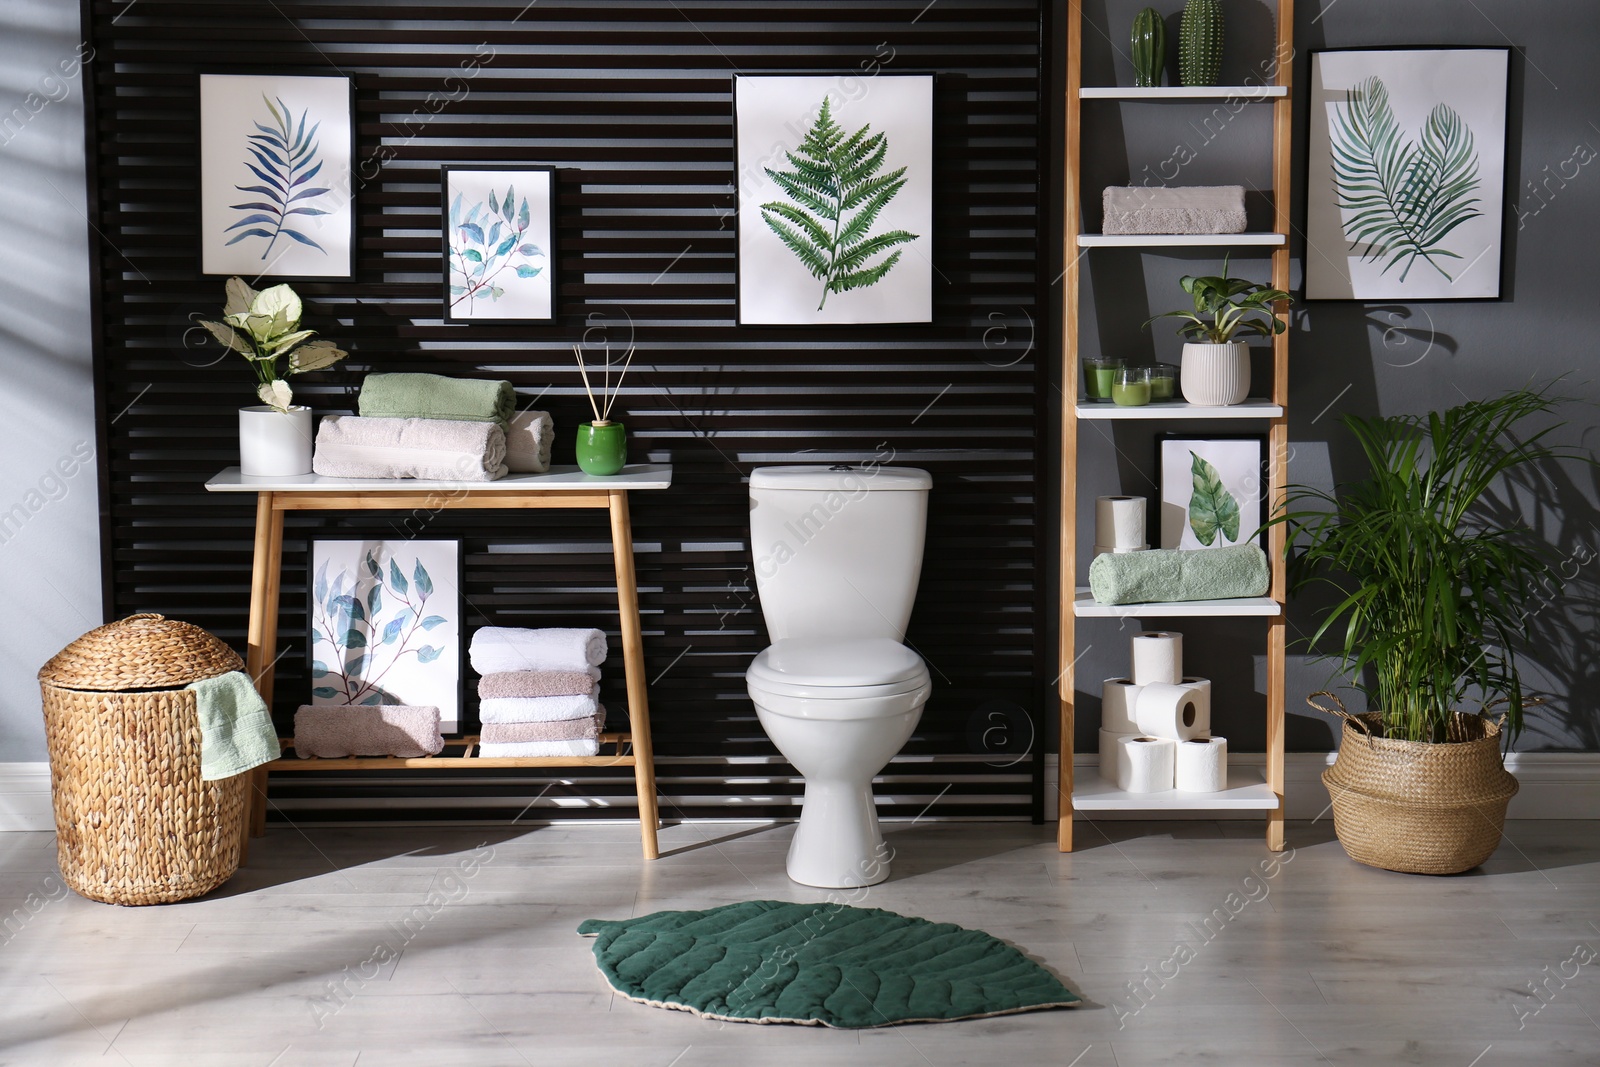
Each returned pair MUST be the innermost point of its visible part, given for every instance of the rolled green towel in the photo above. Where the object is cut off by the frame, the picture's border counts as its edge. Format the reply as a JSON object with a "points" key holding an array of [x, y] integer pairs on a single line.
{"points": [[433, 396], [1175, 575]]}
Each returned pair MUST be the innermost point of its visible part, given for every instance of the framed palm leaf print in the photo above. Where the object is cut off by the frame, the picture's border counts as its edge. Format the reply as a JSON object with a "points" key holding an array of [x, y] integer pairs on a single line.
{"points": [[835, 198], [1406, 175]]}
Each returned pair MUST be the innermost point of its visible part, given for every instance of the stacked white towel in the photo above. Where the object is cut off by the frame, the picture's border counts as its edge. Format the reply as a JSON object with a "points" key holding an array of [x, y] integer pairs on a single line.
{"points": [[546, 676]]}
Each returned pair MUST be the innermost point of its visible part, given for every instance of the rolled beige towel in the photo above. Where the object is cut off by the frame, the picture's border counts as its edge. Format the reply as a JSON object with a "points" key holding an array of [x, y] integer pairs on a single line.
{"points": [[340, 730], [528, 442], [516, 733], [350, 446], [1201, 209], [538, 684]]}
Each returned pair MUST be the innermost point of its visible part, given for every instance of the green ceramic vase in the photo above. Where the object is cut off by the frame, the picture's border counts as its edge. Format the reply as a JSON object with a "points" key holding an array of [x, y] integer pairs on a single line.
{"points": [[602, 449]]}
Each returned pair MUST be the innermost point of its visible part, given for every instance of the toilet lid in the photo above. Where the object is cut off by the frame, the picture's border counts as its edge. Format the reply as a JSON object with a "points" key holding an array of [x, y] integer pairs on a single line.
{"points": [[875, 663]]}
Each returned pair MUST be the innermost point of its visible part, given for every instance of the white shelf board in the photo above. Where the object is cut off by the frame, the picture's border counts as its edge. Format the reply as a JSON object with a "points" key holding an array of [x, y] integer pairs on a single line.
{"points": [[1177, 240], [1183, 92], [1084, 606], [1253, 408], [633, 476], [1246, 790]]}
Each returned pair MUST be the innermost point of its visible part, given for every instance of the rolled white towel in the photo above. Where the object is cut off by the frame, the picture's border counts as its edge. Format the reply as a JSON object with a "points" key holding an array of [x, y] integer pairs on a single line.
{"points": [[499, 649], [537, 709], [524, 749], [528, 442], [350, 446]]}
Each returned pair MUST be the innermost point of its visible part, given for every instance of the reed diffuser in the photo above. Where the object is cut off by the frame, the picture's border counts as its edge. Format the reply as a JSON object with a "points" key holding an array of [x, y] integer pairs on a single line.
{"points": [[602, 444]]}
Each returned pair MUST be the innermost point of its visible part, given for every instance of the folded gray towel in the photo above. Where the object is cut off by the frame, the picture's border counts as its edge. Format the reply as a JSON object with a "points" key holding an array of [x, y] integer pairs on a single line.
{"points": [[538, 683], [1178, 574], [339, 730], [351, 446], [1191, 209], [517, 733], [528, 442]]}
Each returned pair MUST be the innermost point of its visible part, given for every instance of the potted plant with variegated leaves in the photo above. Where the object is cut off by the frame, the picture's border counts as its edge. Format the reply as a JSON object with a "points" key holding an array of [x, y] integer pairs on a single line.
{"points": [[264, 328]]}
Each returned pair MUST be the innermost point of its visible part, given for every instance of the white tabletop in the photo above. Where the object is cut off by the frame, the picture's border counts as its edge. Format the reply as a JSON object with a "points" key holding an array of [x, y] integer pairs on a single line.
{"points": [[633, 476]]}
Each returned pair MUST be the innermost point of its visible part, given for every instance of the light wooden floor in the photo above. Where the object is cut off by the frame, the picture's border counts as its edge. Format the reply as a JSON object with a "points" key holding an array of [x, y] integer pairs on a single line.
{"points": [[1322, 962]]}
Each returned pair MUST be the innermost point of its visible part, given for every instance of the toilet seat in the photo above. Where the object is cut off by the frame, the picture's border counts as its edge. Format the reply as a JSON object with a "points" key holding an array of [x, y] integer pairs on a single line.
{"points": [[831, 669]]}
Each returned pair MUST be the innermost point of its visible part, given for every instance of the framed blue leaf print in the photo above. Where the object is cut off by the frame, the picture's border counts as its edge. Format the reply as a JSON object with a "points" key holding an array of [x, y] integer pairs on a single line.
{"points": [[277, 195], [385, 624], [499, 255]]}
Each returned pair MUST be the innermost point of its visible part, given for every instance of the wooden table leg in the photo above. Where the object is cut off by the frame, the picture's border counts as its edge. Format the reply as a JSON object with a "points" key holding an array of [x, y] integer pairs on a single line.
{"points": [[644, 768], [265, 575]]}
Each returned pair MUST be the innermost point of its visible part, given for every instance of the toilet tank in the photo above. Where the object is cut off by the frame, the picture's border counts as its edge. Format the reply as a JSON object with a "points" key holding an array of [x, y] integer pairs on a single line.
{"points": [[837, 550]]}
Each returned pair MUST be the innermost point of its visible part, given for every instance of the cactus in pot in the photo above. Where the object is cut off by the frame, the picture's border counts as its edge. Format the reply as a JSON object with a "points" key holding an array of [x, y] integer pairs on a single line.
{"points": [[1200, 42], [1149, 48]]}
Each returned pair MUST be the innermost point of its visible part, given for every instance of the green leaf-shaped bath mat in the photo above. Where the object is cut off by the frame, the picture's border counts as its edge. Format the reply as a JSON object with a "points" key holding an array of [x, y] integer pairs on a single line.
{"points": [[769, 961]]}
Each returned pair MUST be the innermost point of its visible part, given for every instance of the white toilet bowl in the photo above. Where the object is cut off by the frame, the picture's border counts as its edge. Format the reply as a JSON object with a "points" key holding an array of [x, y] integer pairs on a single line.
{"points": [[838, 710]]}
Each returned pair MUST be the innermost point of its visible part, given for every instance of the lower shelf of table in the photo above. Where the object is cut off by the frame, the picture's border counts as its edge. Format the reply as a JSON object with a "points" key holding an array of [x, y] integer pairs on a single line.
{"points": [[1247, 790], [458, 752]]}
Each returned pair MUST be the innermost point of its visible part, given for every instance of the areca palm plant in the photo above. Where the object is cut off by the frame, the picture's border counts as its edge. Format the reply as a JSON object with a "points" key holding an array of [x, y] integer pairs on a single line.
{"points": [[1430, 601]]}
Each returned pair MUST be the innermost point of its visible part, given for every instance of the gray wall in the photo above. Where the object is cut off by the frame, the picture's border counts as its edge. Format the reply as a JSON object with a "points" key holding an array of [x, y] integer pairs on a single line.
{"points": [[49, 534], [1366, 358]]}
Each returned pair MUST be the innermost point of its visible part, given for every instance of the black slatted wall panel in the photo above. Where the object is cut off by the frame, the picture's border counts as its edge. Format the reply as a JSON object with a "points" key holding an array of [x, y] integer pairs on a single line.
{"points": [[632, 102]]}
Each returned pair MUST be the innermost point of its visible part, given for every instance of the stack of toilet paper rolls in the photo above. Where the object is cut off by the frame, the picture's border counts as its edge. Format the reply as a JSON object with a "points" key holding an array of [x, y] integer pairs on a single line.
{"points": [[1155, 726], [1119, 524]]}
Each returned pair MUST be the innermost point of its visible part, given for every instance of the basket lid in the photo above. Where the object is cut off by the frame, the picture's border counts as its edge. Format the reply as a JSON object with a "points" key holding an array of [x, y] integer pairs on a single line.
{"points": [[140, 652]]}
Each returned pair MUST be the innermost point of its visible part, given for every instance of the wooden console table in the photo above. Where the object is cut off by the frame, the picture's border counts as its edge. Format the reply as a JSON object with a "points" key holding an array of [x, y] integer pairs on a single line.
{"points": [[562, 487]]}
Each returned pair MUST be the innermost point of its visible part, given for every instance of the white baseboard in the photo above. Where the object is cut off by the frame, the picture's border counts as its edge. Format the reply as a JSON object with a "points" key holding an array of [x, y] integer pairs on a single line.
{"points": [[25, 797], [1555, 785]]}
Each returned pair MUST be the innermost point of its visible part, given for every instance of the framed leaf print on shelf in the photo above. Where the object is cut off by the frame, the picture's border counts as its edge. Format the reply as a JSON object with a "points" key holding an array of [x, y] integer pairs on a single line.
{"points": [[1406, 175], [1213, 490], [835, 195], [385, 624], [277, 197], [499, 233]]}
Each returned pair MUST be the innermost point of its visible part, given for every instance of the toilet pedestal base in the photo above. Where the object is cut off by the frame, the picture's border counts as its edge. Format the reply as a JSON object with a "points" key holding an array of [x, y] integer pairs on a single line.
{"points": [[837, 844]]}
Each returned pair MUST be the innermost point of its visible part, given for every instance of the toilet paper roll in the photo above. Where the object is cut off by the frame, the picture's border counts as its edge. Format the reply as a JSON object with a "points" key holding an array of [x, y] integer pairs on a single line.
{"points": [[1117, 706], [1203, 701], [1201, 765], [1145, 764], [1119, 521], [1111, 754], [1157, 657], [1170, 711]]}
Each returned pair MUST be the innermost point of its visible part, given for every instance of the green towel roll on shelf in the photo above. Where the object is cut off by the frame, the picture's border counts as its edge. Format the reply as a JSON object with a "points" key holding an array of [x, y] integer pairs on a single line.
{"points": [[1178, 575], [433, 396]]}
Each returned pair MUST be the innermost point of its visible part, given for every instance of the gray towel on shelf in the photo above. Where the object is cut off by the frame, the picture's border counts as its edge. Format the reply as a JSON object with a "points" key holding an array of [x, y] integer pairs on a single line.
{"points": [[1199, 209], [337, 730], [538, 683], [351, 446], [528, 442], [1171, 575], [518, 733]]}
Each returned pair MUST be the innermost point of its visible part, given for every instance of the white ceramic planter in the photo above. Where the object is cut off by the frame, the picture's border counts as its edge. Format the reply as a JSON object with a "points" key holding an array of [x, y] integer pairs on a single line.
{"points": [[1215, 375], [274, 444]]}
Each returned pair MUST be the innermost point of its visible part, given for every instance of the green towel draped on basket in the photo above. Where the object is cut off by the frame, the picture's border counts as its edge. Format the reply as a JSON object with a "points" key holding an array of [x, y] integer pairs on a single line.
{"points": [[236, 731], [433, 396], [1170, 575]]}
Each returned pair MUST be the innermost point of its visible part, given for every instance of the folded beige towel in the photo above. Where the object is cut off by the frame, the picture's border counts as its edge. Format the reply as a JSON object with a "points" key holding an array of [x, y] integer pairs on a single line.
{"points": [[528, 442], [515, 733], [338, 730], [538, 683], [524, 749], [1188, 209], [350, 446]]}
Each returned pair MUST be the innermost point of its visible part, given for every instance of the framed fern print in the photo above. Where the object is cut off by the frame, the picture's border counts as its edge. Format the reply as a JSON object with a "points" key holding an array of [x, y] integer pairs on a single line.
{"points": [[1213, 490], [499, 255], [835, 195], [1406, 178], [277, 195]]}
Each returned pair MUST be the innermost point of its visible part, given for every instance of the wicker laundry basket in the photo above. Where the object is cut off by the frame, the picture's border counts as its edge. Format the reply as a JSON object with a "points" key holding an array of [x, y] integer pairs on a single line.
{"points": [[1417, 806], [134, 822]]}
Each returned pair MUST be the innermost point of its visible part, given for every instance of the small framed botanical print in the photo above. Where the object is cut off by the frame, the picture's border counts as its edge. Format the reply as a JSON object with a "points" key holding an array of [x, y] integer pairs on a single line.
{"points": [[1213, 490], [499, 263]]}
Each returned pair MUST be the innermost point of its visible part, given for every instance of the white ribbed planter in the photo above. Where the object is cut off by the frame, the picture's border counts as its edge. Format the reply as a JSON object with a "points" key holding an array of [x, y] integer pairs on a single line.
{"points": [[1215, 375], [274, 444]]}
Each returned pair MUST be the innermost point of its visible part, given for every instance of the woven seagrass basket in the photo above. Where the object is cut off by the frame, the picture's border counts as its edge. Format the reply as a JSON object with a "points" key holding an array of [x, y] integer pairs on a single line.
{"points": [[134, 822], [1417, 806]]}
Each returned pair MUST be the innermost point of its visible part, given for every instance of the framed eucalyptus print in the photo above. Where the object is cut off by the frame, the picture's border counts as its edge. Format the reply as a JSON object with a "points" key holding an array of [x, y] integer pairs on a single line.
{"points": [[1406, 176], [499, 259], [835, 194], [277, 197]]}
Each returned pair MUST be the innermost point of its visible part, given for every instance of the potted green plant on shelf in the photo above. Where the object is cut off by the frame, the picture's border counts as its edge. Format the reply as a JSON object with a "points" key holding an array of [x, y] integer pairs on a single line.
{"points": [[1429, 602], [264, 327], [1215, 371]]}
